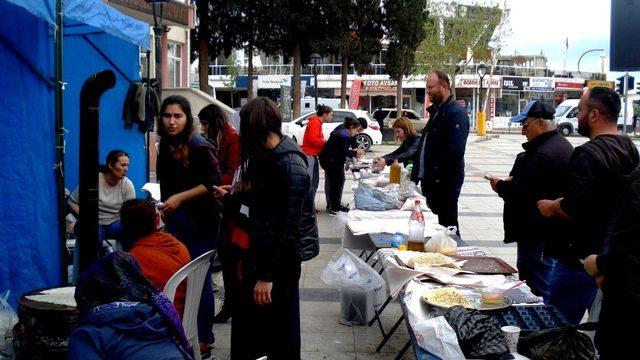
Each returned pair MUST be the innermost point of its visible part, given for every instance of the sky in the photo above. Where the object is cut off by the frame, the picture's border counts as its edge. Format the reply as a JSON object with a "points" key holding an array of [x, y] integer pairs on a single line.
{"points": [[545, 25]]}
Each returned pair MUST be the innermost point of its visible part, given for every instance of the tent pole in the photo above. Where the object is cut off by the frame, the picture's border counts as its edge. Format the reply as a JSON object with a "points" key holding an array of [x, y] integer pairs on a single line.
{"points": [[59, 89]]}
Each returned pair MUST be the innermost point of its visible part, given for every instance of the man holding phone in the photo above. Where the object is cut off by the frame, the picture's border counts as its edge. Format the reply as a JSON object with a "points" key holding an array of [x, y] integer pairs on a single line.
{"points": [[538, 173]]}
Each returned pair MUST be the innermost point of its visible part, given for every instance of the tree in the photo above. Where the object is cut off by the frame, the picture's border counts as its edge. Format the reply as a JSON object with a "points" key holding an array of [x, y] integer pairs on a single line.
{"points": [[355, 35], [297, 24], [457, 34], [212, 36], [402, 23]]}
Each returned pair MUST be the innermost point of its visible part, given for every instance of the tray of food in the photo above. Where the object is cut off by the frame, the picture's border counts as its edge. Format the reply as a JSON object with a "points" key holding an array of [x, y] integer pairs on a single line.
{"points": [[446, 297], [485, 265]]}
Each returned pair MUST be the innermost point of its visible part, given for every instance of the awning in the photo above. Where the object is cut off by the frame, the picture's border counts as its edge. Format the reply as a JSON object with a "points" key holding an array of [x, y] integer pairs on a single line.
{"points": [[95, 13]]}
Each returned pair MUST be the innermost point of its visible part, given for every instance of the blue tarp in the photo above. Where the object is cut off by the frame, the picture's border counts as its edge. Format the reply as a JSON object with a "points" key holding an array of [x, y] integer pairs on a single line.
{"points": [[29, 244], [92, 12]]}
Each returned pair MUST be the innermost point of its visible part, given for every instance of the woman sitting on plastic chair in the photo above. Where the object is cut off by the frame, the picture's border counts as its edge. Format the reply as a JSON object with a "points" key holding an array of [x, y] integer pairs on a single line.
{"points": [[159, 254], [124, 316]]}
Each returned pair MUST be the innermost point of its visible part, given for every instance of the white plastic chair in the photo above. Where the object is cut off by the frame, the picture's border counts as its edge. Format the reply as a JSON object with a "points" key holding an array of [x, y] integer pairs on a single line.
{"points": [[195, 273]]}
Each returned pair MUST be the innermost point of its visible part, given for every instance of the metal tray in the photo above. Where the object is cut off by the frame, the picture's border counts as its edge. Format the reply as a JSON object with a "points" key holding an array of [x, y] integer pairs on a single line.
{"points": [[486, 265]]}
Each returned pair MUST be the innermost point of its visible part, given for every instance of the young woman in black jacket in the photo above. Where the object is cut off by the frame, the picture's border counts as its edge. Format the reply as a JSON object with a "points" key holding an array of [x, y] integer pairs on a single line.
{"points": [[283, 232], [408, 150], [332, 159]]}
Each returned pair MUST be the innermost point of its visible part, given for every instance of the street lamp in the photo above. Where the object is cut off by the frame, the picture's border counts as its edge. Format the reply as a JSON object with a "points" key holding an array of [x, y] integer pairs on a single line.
{"points": [[583, 54], [158, 29], [315, 57], [481, 127]]}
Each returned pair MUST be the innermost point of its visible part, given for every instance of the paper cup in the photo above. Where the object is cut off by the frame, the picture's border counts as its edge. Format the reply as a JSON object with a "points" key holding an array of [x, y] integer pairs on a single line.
{"points": [[511, 334]]}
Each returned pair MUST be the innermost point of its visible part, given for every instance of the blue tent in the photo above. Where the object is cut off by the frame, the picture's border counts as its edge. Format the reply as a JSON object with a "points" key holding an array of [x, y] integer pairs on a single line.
{"points": [[97, 37]]}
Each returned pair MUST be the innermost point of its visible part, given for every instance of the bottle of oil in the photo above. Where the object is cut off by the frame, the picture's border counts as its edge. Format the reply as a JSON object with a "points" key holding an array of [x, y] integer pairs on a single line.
{"points": [[394, 173], [416, 228]]}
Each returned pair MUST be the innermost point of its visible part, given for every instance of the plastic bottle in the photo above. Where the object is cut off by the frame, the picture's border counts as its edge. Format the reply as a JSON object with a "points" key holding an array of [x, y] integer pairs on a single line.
{"points": [[416, 228], [399, 242], [394, 173]]}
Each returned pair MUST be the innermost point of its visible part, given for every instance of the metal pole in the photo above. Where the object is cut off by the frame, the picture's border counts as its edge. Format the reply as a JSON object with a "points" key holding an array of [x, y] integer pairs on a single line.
{"points": [[626, 101], [157, 32], [315, 80], [59, 119]]}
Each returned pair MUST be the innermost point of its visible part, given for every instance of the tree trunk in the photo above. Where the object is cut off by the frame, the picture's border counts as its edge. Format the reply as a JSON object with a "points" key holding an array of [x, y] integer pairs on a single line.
{"points": [[297, 69], [343, 82], [399, 98], [453, 86], [203, 47], [250, 72]]}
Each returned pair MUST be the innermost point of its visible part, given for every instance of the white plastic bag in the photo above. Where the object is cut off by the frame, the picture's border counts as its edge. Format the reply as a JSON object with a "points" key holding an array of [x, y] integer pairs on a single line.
{"points": [[8, 319], [362, 288], [438, 337], [375, 199], [442, 243]]}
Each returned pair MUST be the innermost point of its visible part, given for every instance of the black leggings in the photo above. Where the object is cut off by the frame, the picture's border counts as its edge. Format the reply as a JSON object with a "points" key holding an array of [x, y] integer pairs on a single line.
{"points": [[333, 186]]}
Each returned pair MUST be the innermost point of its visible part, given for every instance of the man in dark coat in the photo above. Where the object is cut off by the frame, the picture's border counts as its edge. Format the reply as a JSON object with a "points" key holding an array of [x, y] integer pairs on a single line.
{"points": [[440, 165], [598, 173], [538, 173]]}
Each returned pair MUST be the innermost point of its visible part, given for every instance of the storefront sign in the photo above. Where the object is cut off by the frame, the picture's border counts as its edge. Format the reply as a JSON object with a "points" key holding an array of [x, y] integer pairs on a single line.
{"points": [[473, 81], [515, 83], [273, 81], [285, 102], [596, 83], [542, 84], [354, 94], [569, 86], [379, 85]]}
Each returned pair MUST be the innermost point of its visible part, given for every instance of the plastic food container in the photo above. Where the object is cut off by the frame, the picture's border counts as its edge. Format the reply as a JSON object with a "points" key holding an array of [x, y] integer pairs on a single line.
{"points": [[491, 295]]}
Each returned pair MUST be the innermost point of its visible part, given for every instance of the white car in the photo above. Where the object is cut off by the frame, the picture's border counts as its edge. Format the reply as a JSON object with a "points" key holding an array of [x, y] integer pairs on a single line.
{"points": [[367, 138]]}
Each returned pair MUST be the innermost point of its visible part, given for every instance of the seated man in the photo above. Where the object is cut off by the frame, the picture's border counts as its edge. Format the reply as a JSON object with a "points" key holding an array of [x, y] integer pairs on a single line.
{"points": [[159, 254]]}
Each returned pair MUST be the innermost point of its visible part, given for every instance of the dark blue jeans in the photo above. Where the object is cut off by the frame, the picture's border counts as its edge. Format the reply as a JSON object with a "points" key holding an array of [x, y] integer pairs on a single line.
{"points": [[535, 268], [181, 227], [571, 289]]}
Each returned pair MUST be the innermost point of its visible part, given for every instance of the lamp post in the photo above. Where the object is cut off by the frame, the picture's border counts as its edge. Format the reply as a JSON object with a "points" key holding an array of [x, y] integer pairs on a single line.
{"points": [[315, 57], [585, 53], [158, 29], [481, 127]]}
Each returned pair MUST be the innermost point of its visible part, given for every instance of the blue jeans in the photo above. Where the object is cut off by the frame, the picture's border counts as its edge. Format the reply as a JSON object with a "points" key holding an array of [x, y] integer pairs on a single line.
{"points": [[571, 289], [535, 268]]}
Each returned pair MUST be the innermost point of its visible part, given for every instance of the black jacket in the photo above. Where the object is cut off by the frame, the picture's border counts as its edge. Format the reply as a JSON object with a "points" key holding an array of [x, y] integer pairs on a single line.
{"points": [[337, 149], [620, 265], [284, 228], [538, 173], [598, 172], [444, 139], [408, 151]]}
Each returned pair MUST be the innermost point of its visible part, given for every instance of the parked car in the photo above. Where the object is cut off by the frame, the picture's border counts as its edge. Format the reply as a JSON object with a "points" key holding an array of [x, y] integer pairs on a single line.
{"points": [[390, 116], [567, 116], [369, 137]]}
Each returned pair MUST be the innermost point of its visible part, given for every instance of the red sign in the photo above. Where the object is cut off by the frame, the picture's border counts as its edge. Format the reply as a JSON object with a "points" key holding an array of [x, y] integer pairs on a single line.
{"points": [[354, 94], [563, 85]]}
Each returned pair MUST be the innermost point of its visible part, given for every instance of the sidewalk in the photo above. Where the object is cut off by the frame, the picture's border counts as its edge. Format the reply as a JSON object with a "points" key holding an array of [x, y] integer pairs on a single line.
{"points": [[480, 215]]}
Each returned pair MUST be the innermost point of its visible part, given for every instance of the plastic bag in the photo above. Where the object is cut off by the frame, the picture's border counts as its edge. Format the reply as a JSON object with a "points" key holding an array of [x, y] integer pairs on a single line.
{"points": [[437, 337], [559, 343], [8, 319], [479, 337], [362, 288], [410, 204], [375, 199], [442, 243]]}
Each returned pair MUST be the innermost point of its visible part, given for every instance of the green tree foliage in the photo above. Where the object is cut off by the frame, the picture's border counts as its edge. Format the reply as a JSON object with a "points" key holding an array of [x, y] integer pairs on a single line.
{"points": [[355, 35], [456, 34], [404, 31]]}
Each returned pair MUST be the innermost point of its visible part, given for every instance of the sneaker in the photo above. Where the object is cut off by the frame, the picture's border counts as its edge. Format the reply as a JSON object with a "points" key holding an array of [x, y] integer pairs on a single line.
{"points": [[344, 208]]}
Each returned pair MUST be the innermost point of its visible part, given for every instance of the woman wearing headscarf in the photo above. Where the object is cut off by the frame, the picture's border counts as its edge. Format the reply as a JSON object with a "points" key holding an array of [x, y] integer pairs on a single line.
{"points": [[124, 316]]}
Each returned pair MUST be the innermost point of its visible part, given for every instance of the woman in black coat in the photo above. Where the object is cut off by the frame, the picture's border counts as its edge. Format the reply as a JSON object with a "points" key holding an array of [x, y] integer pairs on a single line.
{"points": [[282, 232], [332, 159], [408, 150]]}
